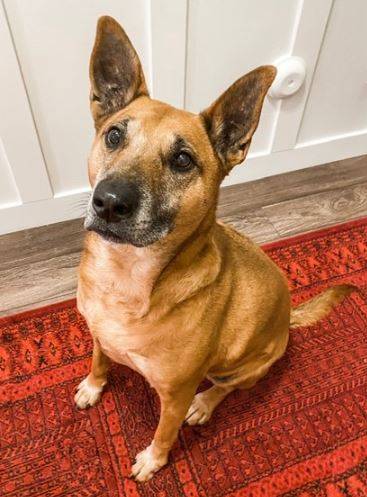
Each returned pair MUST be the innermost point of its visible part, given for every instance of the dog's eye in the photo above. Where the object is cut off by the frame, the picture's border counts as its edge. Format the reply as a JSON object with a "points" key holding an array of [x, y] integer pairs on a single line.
{"points": [[113, 137], [182, 162]]}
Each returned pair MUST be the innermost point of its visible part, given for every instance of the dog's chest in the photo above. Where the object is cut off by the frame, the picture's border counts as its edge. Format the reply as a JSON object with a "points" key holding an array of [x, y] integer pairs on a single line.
{"points": [[114, 297], [122, 346], [120, 337]]}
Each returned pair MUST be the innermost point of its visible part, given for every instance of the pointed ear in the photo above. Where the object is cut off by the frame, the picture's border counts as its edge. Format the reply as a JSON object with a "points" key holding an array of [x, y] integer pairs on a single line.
{"points": [[233, 118], [115, 71]]}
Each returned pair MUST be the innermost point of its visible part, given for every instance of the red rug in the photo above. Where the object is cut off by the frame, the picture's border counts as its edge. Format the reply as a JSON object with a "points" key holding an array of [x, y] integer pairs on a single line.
{"points": [[301, 432]]}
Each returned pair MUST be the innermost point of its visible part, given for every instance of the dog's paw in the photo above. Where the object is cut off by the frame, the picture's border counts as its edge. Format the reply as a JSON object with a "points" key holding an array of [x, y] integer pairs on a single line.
{"points": [[200, 411], [147, 463], [87, 394]]}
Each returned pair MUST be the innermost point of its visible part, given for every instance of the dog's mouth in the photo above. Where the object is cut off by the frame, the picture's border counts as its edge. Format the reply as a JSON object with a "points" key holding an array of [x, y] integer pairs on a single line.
{"points": [[130, 234], [106, 234]]}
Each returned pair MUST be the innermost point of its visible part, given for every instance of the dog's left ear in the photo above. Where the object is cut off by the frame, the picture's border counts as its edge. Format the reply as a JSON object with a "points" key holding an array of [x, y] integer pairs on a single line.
{"points": [[115, 71], [233, 118]]}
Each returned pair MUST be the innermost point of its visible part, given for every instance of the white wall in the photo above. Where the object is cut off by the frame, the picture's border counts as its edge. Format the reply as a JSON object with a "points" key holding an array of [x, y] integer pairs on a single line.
{"points": [[191, 51]]}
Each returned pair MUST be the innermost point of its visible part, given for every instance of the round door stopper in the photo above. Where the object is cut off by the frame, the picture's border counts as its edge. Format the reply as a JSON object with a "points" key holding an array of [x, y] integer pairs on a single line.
{"points": [[291, 73]]}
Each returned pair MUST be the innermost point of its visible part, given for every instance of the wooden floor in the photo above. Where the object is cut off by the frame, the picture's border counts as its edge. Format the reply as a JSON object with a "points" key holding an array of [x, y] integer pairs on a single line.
{"points": [[38, 266]]}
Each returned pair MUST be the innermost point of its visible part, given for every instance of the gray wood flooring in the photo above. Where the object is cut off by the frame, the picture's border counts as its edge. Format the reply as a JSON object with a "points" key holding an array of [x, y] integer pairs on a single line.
{"points": [[38, 266]]}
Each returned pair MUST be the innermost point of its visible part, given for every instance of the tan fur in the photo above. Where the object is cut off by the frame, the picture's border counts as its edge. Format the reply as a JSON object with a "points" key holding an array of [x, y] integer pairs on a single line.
{"points": [[202, 301], [319, 306]]}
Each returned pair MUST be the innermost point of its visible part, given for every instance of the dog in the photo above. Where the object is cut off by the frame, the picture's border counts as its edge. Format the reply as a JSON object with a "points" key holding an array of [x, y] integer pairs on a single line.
{"points": [[165, 288]]}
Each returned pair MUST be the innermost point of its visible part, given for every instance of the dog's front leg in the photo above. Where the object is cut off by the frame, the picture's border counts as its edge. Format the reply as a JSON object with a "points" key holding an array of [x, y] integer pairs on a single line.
{"points": [[90, 389], [174, 406]]}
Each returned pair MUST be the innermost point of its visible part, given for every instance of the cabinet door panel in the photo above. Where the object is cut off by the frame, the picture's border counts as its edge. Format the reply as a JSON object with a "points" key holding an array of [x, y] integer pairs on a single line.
{"points": [[228, 39], [337, 102], [23, 175], [8, 190]]}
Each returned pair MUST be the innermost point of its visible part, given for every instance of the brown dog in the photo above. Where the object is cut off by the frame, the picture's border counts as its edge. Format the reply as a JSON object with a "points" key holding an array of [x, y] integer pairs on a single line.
{"points": [[164, 287]]}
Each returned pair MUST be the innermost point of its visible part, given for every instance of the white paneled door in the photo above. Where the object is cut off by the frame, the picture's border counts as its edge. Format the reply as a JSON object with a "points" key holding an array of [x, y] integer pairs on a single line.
{"points": [[191, 51]]}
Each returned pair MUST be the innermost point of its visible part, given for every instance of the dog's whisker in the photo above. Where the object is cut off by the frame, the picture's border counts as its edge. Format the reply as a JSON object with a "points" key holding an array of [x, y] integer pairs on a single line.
{"points": [[79, 209], [80, 204]]}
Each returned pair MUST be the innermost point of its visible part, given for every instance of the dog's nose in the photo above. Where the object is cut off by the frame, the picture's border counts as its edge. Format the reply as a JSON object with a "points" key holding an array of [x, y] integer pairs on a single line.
{"points": [[114, 200]]}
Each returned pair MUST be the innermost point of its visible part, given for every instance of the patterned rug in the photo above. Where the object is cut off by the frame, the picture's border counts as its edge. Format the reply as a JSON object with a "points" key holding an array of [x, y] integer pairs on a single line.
{"points": [[301, 432]]}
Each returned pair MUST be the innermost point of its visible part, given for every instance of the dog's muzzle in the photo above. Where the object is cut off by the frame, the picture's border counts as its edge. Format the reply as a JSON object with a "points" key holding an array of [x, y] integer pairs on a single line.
{"points": [[121, 211]]}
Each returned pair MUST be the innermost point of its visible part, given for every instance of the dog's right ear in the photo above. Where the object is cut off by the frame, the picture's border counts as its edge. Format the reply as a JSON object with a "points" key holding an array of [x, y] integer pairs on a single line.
{"points": [[115, 71]]}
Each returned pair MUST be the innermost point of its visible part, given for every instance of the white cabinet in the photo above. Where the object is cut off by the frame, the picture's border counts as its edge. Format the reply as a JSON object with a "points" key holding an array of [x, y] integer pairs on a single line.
{"points": [[337, 101], [23, 175], [226, 42], [191, 51]]}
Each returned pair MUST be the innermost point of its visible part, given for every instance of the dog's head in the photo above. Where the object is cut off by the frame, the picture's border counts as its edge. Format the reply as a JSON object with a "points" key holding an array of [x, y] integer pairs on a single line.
{"points": [[153, 167]]}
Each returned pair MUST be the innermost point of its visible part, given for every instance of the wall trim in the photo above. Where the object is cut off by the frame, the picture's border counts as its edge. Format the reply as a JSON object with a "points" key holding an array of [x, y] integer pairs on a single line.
{"points": [[304, 155]]}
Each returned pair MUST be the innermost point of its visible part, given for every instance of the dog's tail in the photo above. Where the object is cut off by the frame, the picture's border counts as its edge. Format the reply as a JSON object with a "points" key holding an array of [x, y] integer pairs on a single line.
{"points": [[313, 310]]}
